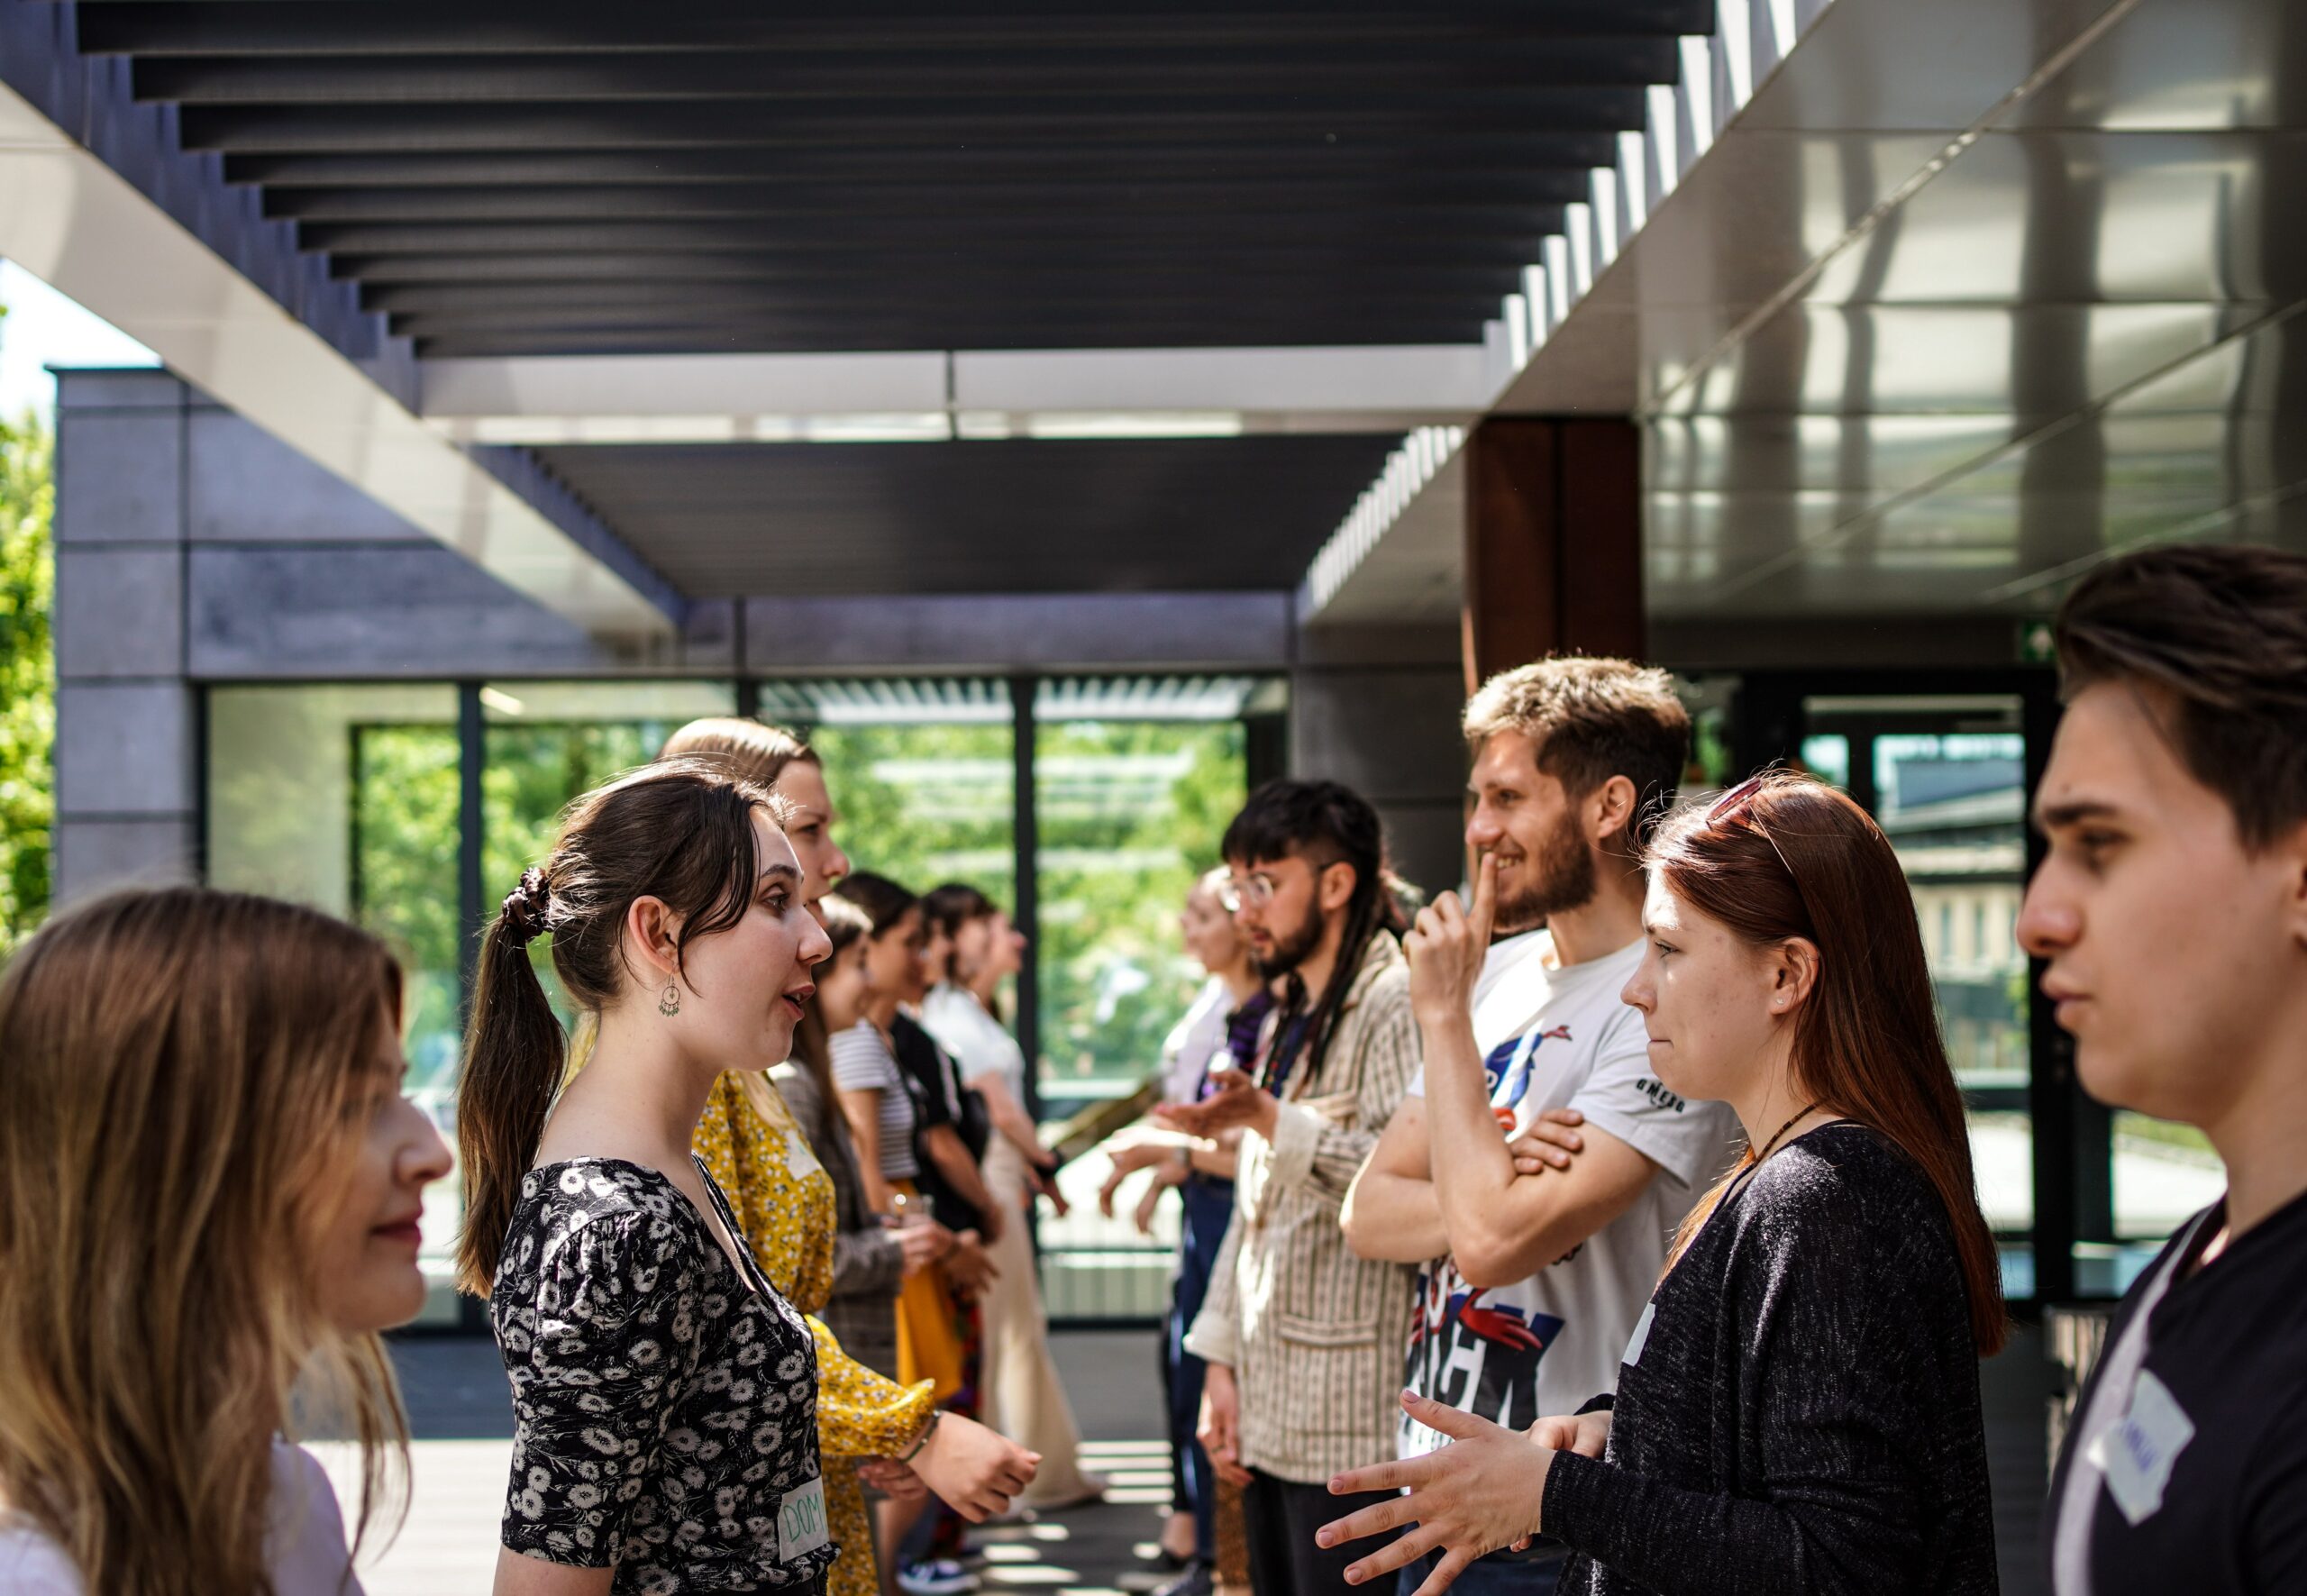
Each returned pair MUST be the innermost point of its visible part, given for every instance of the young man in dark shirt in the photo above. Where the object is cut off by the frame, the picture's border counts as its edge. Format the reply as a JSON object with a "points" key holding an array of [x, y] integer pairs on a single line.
{"points": [[2172, 908]]}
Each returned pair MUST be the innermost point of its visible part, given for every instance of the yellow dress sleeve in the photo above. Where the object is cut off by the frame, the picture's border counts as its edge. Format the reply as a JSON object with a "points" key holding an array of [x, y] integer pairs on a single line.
{"points": [[862, 1413], [754, 1148]]}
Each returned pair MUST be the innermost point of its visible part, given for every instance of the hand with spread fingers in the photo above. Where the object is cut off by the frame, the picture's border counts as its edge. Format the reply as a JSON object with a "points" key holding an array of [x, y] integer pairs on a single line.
{"points": [[1474, 1496], [1447, 945], [1236, 1103]]}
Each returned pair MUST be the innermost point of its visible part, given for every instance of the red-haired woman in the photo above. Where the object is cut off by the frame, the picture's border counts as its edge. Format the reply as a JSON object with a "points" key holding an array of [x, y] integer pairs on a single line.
{"points": [[1798, 1409]]}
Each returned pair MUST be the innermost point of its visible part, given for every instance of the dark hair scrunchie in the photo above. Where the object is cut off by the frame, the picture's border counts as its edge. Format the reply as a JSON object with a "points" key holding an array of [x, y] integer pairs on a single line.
{"points": [[525, 906]]}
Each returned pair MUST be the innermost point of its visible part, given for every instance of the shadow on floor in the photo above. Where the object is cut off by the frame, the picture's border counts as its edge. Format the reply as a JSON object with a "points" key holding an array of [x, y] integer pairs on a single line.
{"points": [[455, 1390], [460, 1416]]}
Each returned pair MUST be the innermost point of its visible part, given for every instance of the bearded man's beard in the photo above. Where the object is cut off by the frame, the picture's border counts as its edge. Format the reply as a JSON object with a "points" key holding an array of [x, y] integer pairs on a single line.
{"points": [[1290, 950], [1562, 878]]}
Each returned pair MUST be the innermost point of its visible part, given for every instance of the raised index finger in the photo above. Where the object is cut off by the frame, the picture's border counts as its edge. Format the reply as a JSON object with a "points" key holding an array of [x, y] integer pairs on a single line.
{"points": [[1485, 908]]}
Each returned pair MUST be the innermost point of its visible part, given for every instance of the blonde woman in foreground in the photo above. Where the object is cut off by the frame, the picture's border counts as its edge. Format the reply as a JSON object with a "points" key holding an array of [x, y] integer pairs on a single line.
{"points": [[210, 1185]]}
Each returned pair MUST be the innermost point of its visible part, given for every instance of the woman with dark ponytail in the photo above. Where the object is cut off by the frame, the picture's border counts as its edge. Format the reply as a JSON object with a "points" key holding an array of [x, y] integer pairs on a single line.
{"points": [[664, 1394]]}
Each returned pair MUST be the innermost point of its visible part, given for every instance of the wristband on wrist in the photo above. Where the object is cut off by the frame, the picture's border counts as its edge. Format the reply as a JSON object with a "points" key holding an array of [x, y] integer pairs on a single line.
{"points": [[921, 1440]]}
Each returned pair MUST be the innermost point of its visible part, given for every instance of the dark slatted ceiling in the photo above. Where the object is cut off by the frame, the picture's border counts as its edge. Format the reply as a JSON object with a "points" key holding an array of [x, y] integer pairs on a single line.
{"points": [[910, 174], [1017, 516]]}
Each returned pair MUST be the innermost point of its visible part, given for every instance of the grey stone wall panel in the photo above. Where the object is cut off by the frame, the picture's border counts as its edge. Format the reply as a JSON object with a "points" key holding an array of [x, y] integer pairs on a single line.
{"points": [[120, 477], [125, 749], [119, 612], [421, 611], [246, 486], [94, 856]]}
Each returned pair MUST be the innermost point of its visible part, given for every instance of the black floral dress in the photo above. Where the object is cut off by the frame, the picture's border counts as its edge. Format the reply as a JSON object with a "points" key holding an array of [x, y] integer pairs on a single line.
{"points": [[665, 1404]]}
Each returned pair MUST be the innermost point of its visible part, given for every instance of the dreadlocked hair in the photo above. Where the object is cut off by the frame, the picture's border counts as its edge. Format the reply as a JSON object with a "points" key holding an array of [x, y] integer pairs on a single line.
{"points": [[1324, 822]]}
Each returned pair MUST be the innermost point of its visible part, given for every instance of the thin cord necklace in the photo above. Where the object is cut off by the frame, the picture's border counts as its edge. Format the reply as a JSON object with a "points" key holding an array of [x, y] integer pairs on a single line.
{"points": [[1770, 1146], [1739, 1182]]}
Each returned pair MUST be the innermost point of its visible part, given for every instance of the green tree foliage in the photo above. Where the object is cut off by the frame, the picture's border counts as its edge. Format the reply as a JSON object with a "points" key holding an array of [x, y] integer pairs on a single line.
{"points": [[406, 796], [27, 675], [1130, 813], [924, 805], [533, 771]]}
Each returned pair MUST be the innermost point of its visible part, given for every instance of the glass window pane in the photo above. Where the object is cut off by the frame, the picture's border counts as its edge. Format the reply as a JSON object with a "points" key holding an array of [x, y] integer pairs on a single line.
{"points": [[1952, 804], [2164, 1172], [346, 798], [1826, 755], [549, 742], [1129, 812], [925, 803]]}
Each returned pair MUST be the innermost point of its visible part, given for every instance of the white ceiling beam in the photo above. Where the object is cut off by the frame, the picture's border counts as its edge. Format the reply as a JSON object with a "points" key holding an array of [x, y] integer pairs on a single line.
{"points": [[70, 220], [934, 395]]}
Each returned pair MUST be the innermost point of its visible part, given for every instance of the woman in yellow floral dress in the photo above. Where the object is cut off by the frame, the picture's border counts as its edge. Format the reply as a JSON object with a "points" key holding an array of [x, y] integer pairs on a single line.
{"points": [[785, 1202]]}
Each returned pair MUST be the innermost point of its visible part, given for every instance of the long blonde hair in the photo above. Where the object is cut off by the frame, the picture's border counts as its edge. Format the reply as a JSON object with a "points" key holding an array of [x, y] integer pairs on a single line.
{"points": [[180, 1071]]}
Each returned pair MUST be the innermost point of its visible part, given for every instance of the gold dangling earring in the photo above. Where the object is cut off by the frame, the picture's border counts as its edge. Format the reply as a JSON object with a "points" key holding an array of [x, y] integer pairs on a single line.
{"points": [[671, 1003]]}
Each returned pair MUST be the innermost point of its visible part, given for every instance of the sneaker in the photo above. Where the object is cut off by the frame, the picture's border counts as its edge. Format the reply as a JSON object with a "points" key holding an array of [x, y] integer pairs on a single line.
{"points": [[1199, 1579], [943, 1577]]}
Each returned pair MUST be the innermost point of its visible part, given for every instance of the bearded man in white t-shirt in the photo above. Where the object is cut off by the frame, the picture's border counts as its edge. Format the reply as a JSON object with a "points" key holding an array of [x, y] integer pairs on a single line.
{"points": [[1537, 1169]]}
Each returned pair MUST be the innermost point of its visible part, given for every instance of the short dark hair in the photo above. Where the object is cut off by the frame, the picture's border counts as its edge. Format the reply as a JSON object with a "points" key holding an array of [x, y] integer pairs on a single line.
{"points": [[1287, 817], [950, 907], [2221, 633], [885, 902], [1326, 823], [1590, 719]]}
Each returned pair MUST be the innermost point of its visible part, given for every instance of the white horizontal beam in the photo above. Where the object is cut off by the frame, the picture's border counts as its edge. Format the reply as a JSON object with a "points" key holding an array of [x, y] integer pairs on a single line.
{"points": [[934, 395], [70, 220]]}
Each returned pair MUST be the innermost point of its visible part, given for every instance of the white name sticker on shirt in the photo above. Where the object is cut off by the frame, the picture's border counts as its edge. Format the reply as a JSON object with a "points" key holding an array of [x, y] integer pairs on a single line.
{"points": [[1641, 1336], [2137, 1455], [800, 1160], [801, 1526]]}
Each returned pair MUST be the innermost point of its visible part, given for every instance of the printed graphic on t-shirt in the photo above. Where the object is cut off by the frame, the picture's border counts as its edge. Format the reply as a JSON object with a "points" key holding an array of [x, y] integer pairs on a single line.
{"points": [[1480, 1360], [1550, 1341], [1482, 1357]]}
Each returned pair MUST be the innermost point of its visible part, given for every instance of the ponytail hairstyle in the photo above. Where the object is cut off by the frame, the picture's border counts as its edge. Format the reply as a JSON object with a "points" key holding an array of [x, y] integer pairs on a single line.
{"points": [[183, 1073], [1782, 856], [680, 830], [1326, 823]]}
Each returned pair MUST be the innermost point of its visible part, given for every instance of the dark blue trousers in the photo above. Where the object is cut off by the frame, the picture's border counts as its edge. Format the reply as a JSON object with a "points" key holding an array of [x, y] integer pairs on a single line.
{"points": [[1208, 1209]]}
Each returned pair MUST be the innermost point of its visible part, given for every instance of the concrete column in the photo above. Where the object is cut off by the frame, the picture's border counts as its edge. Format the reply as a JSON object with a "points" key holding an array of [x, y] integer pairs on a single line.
{"points": [[127, 741], [1378, 708], [1553, 543]]}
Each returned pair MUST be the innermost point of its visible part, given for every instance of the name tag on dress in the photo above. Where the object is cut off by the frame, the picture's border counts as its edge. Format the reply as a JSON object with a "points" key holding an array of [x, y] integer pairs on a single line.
{"points": [[1635, 1341], [800, 1159], [2136, 1456], [801, 1526]]}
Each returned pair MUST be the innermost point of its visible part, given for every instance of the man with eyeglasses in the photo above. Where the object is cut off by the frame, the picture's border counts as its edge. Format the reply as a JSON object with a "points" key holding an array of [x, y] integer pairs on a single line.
{"points": [[1538, 1258], [1300, 1336]]}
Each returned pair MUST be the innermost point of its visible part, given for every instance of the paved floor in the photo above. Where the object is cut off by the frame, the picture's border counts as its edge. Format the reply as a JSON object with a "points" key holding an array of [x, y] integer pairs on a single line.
{"points": [[459, 1414]]}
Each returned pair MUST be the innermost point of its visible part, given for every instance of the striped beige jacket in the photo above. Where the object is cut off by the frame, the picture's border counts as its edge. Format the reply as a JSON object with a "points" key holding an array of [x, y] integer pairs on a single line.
{"points": [[1312, 1333]]}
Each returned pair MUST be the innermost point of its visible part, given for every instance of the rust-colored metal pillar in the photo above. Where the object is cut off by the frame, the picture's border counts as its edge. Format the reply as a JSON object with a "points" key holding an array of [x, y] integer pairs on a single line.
{"points": [[1554, 541]]}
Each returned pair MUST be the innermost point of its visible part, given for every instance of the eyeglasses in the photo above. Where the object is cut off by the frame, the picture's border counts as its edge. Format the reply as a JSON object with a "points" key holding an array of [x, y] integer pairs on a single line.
{"points": [[1255, 893], [1258, 892]]}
